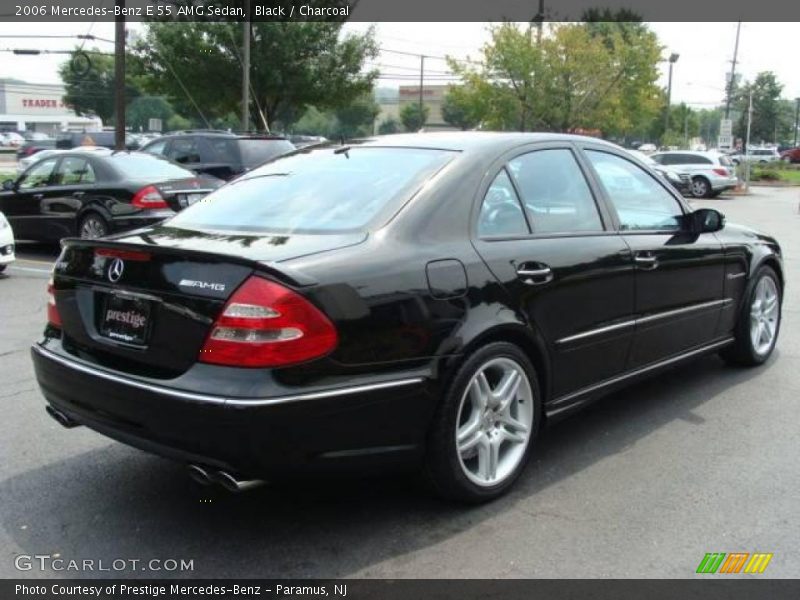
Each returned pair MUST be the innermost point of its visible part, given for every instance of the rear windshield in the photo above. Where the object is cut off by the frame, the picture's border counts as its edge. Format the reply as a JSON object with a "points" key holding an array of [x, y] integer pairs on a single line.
{"points": [[330, 190], [146, 166], [725, 161]]}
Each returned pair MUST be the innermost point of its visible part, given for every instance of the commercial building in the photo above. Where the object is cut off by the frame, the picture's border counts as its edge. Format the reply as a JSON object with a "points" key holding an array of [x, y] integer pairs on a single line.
{"points": [[39, 107], [391, 102]]}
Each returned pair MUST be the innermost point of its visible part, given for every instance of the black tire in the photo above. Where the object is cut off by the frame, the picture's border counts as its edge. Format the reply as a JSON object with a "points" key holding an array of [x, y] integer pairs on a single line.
{"points": [[92, 226], [3, 268], [443, 465], [743, 351], [701, 187]]}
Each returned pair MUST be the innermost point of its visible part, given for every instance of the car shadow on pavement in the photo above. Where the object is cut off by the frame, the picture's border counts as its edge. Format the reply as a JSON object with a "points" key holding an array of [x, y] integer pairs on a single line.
{"points": [[115, 502]]}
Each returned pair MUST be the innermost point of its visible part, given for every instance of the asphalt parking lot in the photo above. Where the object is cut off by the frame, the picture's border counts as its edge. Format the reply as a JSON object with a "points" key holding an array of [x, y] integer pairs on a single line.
{"points": [[642, 484]]}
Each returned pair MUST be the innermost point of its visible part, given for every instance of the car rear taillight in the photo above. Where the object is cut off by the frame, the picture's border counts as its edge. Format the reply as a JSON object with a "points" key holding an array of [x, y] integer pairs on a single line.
{"points": [[149, 197], [264, 324], [721, 172], [53, 318]]}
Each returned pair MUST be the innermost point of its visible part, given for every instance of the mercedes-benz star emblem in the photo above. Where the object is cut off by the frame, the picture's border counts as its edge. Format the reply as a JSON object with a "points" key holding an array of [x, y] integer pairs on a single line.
{"points": [[115, 270]]}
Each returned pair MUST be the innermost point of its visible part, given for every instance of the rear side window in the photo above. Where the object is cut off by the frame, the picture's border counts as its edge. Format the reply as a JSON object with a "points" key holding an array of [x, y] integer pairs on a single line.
{"points": [[157, 148], [501, 213], [725, 161], [74, 171], [554, 192], [184, 151], [329, 190]]}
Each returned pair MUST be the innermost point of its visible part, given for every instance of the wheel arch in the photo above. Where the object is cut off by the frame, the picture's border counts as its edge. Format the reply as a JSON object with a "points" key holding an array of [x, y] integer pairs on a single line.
{"points": [[519, 334]]}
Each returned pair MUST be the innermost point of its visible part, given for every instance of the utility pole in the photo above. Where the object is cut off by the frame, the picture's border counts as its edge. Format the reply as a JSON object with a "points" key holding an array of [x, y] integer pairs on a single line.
{"points": [[673, 58], [686, 127], [796, 119], [733, 72], [747, 144], [421, 76], [246, 24], [119, 77], [539, 22]]}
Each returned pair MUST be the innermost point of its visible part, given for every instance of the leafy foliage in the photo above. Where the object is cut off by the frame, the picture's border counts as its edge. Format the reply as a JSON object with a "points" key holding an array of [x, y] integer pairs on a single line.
{"points": [[581, 75], [412, 117], [293, 66]]}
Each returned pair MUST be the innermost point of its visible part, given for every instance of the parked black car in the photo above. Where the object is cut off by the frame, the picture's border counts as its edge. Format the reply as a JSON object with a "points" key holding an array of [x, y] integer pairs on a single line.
{"points": [[219, 153], [92, 193], [427, 299]]}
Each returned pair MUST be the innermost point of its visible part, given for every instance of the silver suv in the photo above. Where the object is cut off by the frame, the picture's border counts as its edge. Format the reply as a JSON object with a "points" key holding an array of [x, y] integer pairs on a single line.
{"points": [[711, 172]]}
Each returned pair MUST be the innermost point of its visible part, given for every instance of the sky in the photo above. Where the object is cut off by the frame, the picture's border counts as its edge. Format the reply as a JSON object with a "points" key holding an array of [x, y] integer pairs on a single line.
{"points": [[705, 51]]}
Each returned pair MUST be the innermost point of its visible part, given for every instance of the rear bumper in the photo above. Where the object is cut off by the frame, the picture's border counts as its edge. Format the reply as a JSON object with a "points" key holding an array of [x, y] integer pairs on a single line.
{"points": [[368, 424], [723, 184]]}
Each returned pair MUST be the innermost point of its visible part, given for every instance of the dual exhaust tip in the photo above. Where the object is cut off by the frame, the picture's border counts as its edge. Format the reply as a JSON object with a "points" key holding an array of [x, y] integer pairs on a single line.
{"points": [[201, 475], [205, 476]]}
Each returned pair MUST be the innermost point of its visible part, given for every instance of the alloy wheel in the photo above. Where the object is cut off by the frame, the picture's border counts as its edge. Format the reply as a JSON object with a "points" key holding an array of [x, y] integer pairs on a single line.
{"points": [[495, 421], [764, 316], [92, 228], [699, 188]]}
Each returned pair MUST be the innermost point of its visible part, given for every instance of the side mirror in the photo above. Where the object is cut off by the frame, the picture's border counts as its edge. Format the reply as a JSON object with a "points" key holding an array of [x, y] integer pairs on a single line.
{"points": [[8, 185], [707, 220]]}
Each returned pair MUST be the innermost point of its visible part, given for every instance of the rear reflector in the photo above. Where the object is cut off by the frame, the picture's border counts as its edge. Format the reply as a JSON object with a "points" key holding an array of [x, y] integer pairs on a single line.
{"points": [[53, 318], [721, 172], [265, 324], [149, 197]]}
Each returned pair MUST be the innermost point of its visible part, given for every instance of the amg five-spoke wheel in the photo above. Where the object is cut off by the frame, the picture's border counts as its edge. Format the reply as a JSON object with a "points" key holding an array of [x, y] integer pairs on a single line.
{"points": [[485, 426], [494, 422], [764, 315]]}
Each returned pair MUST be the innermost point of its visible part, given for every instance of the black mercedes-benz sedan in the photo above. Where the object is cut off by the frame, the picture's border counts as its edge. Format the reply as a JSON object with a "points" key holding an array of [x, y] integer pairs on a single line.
{"points": [[426, 300], [91, 192]]}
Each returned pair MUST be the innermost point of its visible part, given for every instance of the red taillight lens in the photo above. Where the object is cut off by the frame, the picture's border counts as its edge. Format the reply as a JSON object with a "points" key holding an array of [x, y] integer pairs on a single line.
{"points": [[721, 172], [267, 325], [53, 318], [149, 197]]}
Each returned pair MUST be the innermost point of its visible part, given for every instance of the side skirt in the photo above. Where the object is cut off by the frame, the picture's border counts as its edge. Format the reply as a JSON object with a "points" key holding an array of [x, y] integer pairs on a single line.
{"points": [[563, 405]]}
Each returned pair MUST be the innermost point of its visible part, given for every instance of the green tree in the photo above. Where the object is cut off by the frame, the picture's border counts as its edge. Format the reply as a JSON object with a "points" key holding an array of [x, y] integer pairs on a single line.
{"points": [[581, 75], [144, 108], [293, 66], [177, 123], [455, 112], [357, 118], [766, 90], [388, 126], [315, 122], [412, 117], [92, 92]]}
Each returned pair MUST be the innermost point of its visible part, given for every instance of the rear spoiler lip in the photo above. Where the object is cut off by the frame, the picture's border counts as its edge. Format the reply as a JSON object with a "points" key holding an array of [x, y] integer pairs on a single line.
{"points": [[294, 277]]}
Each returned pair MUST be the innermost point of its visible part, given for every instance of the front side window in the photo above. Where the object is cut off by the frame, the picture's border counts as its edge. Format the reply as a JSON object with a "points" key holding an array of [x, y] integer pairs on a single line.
{"points": [[74, 171], [555, 193], [501, 213], [640, 201], [38, 175], [331, 190]]}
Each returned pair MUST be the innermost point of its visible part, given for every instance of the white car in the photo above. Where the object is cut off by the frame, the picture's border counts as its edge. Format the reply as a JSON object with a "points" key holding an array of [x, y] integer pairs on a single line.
{"points": [[24, 163], [757, 155], [711, 172], [6, 243], [12, 139]]}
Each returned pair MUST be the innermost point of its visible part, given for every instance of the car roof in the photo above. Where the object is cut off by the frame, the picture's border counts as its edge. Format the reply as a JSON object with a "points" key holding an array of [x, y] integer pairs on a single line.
{"points": [[708, 153], [220, 134], [473, 141]]}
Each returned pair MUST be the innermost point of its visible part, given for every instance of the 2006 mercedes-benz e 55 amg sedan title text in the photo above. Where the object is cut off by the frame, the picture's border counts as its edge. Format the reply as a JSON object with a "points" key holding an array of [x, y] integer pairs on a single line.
{"points": [[426, 299]]}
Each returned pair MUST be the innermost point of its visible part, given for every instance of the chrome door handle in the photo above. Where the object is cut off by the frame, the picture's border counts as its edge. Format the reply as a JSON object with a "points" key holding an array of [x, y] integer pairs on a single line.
{"points": [[646, 260], [535, 276], [78, 194], [38, 196]]}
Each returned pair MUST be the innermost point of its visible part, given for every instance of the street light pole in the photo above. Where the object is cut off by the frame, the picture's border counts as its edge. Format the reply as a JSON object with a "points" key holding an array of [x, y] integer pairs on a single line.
{"points": [[246, 74], [119, 76], [747, 143], [673, 58], [796, 119], [421, 76]]}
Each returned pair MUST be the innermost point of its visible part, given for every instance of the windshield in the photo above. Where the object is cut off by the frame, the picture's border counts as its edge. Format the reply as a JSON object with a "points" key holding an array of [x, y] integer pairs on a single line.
{"points": [[324, 191], [146, 166]]}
